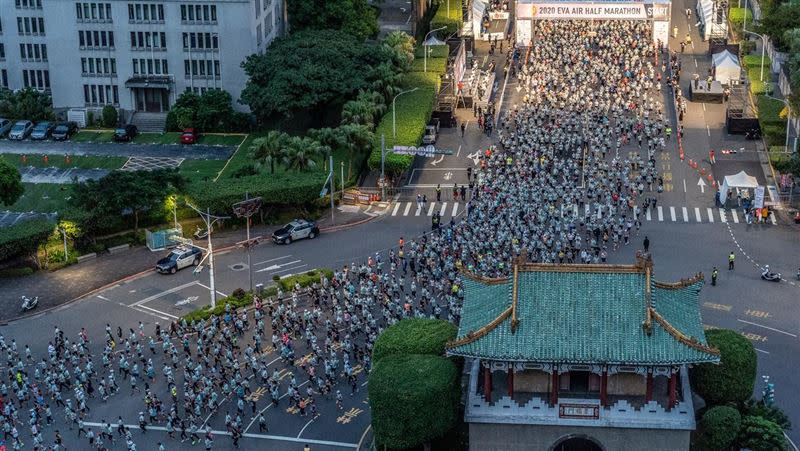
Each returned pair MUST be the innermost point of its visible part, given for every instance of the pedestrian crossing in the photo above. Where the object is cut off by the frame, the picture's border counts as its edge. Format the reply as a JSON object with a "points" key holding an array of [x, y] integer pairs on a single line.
{"points": [[659, 213]]}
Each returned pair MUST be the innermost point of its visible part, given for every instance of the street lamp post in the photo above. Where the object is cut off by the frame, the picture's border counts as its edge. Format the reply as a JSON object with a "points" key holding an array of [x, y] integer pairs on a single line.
{"points": [[425, 46], [763, 46], [209, 221], [788, 119], [394, 116], [246, 209], [64, 234]]}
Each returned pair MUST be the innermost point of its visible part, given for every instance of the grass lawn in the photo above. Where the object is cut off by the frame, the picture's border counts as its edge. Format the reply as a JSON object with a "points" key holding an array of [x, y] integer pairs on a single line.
{"points": [[200, 169], [42, 197], [93, 136], [221, 140], [60, 161], [158, 138]]}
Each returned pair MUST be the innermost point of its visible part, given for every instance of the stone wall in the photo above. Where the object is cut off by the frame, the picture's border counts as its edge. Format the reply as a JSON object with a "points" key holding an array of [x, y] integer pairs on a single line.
{"points": [[502, 437]]}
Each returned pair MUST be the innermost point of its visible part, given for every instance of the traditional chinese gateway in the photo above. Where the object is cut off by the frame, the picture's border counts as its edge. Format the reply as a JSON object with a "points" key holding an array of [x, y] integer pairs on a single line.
{"points": [[580, 357]]}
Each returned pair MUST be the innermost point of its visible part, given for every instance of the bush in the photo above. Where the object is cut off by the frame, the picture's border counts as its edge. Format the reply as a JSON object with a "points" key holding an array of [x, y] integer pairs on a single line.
{"points": [[109, 116], [414, 336], [305, 280], [16, 272], [772, 413], [719, 427], [733, 379], [754, 61], [761, 434], [769, 111], [452, 19], [736, 16], [23, 238], [413, 399], [245, 171], [775, 135]]}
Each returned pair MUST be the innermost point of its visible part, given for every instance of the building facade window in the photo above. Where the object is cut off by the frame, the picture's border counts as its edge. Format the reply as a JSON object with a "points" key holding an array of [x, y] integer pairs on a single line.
{"points": [[148, 66], [98, 66], [33, 52], [4, 78], [195, 13], [95, 95], [30, 4], [96, 39], [93, 12], [30, 26], [199, 90], [148, 40], [38, 79], [203, 41], [258, 35], [268, 25], [145, 13], [2, 52], [203, 68]]}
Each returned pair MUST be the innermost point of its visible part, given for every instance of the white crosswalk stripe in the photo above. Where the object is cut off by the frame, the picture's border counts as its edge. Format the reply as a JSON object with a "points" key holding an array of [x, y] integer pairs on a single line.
{"points": [[685, 215], [672, 213], [648, 216], [408, 208], [396, 209], [735, 217], [660, 213], [697, 214], [443, 209], [586, 210], [710, 215], [419, 210], [722, 217], [455, 209], [430, 210], [772, 218]]}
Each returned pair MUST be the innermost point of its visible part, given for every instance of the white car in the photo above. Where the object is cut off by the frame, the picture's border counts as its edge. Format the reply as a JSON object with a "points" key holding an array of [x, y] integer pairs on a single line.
{"points": [[21, 130], [5, 127]]}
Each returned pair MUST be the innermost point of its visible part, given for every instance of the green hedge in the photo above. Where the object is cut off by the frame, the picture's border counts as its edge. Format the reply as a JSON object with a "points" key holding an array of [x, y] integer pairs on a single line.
{"points": [[452, 20], [761, 434], [719, 427], [413, 399], [240, 298], [758, 87], [435, 65], [413, 113], [754, 61], [732, 380], [437, 51], [769, 111], [754, 74], [23, 238], [736, 16], [414, 336], [775, 135]]}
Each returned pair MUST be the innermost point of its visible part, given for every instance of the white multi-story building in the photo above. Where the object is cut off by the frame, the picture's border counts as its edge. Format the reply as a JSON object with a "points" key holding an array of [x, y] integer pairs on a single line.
{"points": [[134, 55]]}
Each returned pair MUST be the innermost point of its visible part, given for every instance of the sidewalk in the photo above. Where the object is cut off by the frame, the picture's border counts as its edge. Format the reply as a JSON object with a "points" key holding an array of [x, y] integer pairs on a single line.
{"points": [[75, 281]]}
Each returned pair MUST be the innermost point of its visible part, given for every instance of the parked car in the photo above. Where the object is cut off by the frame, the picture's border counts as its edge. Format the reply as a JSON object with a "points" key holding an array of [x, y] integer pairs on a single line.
{"points": [[189, 136], [179, 258], [431, 132], [20, 130], [5, 127], [125, 133], [64, 131], [42, 130], [295, 230]]}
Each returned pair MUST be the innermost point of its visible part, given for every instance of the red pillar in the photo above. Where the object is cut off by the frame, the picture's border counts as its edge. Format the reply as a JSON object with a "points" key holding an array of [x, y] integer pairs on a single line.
{"points": [[673, 385], [648, 395], [487, 384], [554, 387], [510, 381], [604, 388]]}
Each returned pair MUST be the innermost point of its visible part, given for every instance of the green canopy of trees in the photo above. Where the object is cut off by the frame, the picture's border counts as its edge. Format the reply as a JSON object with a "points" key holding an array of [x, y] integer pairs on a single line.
{"points": [[24, 238], [26, 103], [733, 379], [11, 187], [778, 21], [309, 71], [719, 427], [211, 111], [414, 336], [761, 434], [414, 399], [354, 17]]}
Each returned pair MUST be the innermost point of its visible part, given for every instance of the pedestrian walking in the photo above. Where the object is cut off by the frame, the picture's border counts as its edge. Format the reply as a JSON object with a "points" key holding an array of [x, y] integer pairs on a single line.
{"points": [[714, 274], [463, 128], [646, 243], [731, 258], [711, 157]]}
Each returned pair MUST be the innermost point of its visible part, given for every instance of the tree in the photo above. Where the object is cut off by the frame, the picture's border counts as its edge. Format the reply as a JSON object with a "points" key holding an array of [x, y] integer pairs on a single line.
{"points": [[26, 103], [771, 412], [793, 40], [109, 116], [719, 427], [778, 21], [269, 148], [24, 239], [300, 153], [357, 139], [11, 187], [386, 81], [291, 76], [358, 112], [760, 434], [414, 336], [402, 47], [212, 111], [733, 379], [355, 17]]}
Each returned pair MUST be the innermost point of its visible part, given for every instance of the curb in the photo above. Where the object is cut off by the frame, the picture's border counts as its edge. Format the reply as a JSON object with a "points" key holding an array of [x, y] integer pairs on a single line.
{"points": [[347, 226]]}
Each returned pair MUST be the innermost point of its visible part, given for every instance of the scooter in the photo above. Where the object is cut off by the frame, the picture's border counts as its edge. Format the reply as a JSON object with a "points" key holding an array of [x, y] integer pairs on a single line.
{"points": [[770, 276], [200, 234], [28, 303]]}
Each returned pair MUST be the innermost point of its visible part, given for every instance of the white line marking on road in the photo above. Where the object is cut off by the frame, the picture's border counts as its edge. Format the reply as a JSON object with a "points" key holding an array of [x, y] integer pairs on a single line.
{"points": [[768, 328], [103, 298], [647, 215], [455, 209], [586, 209], [660, 213], [443, 209], [430, 210], [697, 214], [459, 146], [419, 210], [710, 215], [255, 417], [209, 288], [273, 267], [635, 210], [408, 207], [158, 311], [672, 213], [761, 350], [140, 310], [685, 215], [695, 62], [704, 107], [735, 216], [164, 293], [287, 269], [684, 185], [272, 260], [708, 130], [722, 217], [396, 208], [304, 427]]}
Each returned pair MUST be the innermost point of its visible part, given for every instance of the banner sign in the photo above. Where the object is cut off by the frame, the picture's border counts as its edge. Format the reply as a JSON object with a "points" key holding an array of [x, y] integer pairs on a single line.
{"points": [[639, 11], [759, 198], [421, 151]]}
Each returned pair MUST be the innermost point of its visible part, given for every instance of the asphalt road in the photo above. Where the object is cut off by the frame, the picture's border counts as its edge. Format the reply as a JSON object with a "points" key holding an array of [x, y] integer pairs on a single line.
{"points": [[194, 151]]}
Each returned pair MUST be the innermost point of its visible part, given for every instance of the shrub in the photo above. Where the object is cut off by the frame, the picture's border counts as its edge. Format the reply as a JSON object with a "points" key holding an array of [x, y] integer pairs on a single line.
{"points": [[732, 380], [109, 116], [16, 272], [775, 135], [452, 19], [736, 16], [761, 434], [23, 238], [244, 171], [769, 111], [413, 399], [758, 87], [772, 413], [414, 336], [304, 280], [754, 61], [719, 428]]}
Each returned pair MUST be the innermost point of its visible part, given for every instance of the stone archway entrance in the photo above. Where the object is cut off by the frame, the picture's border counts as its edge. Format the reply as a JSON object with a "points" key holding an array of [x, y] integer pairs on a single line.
{"points": [[577, 443]]}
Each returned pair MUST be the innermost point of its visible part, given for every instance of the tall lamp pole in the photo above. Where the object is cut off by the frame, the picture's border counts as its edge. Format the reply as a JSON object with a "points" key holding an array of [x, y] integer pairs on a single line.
{"points": [[425, 46], [394, 116], [209, 221], [763, 46], [246, 209]]}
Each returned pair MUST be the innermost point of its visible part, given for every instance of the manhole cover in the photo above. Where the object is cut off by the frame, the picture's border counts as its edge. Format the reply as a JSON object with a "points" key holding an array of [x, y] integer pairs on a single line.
{"points": [[238, 267]]}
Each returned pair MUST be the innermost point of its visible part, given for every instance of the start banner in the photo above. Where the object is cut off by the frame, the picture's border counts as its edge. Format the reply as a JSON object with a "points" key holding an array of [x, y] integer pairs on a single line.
{"points": [[632, 11]]}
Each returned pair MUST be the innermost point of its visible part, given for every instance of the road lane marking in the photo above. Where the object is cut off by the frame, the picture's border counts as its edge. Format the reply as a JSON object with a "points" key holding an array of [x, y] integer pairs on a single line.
{"points": [[430, 210], [396, 207], [635, 210], [660, 213], [158, 311], [273, 267], [684, 185], [768, 328], [672, 213], [408, 208], [288, 269], [735, 216], [754, 337], [710, 215], [209, 288], [455, 209], [272, 260], [164, 293], [443, 210], [708, 130], [757, 313], [715, 306], [697, 214], [647, 215], [761, 350], [685, 214], [419, 210], [722, 215], [307, 424]]}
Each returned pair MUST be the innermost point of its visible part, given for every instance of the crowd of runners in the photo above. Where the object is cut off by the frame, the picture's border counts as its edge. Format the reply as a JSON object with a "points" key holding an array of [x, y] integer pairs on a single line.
{"points": [[586, 134]]}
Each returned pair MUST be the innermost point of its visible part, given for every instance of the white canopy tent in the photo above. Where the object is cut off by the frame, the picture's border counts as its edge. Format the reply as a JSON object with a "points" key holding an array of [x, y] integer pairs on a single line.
{"points": [[478, 10], [726, 66], [740, 180], [705, 12]]}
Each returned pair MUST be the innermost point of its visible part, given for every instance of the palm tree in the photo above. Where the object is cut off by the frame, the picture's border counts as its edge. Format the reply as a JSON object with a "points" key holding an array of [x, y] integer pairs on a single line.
{"points": [[299, 154], [386, 81], [268, 148], [376, 99], [402, 46], [358, 138], [358, 112]]}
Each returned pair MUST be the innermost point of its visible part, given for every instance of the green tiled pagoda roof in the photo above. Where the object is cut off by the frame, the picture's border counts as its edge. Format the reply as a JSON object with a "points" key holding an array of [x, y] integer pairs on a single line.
{"points": [[583, 314]]}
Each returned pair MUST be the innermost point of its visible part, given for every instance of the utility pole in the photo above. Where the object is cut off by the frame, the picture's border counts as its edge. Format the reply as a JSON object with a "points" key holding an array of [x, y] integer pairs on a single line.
{"points": [[66, 253], [333, 187], [209, 221], [383, 167], [342, 179], [246, 209]]}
